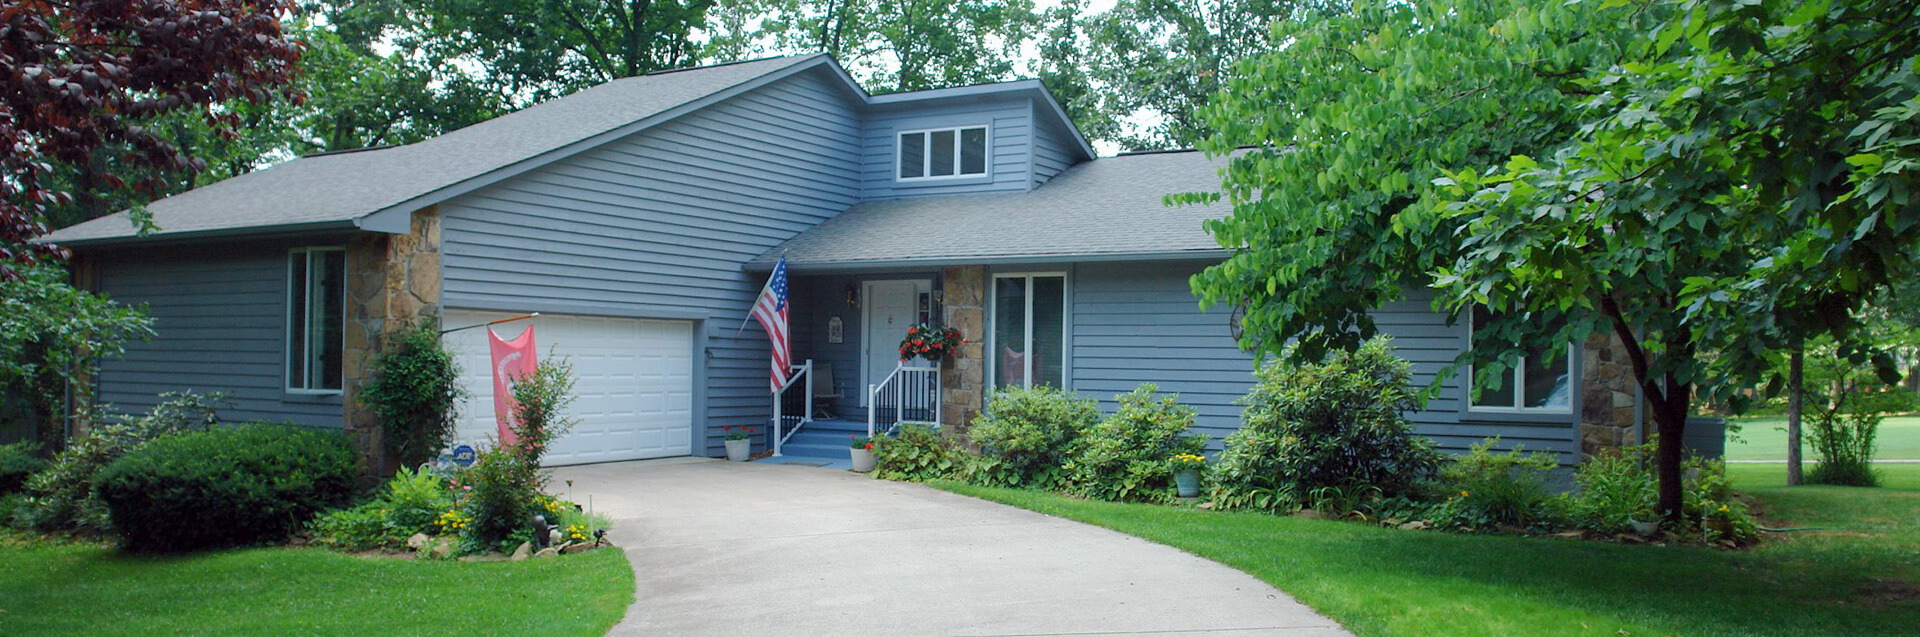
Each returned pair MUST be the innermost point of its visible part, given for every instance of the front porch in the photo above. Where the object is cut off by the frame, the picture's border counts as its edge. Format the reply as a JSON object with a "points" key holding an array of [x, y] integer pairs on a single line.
{"points": [[846, 330]]}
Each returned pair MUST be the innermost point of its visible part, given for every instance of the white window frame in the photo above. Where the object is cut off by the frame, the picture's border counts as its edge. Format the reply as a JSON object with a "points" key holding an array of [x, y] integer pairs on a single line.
{"points": [[1517, 382], [993, 328], [926, 154], [300, 314]]}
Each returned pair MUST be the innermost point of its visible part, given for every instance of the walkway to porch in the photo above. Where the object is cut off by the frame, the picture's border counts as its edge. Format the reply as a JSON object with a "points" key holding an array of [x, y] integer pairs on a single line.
{"points": [[822, 443]]}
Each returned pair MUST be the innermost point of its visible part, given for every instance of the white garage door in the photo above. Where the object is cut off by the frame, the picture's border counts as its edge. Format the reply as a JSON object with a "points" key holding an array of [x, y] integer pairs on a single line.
{"points": [[634, 380]]}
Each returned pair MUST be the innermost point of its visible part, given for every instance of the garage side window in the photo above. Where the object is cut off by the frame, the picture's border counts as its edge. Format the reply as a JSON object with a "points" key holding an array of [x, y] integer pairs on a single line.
{"points": [[316, 319]]}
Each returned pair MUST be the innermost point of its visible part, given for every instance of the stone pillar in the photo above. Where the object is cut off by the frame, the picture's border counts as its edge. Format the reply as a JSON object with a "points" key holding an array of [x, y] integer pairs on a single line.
{"points": [[1607, 392], [390, 279], [963, 376]]}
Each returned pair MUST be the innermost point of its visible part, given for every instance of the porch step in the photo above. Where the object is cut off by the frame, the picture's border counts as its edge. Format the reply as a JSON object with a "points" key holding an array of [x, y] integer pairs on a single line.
{"points": [[814, 450]]}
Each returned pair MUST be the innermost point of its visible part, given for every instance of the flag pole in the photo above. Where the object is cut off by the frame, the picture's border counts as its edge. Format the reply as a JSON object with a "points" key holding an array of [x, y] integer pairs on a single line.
{"points": [[521, 317]]}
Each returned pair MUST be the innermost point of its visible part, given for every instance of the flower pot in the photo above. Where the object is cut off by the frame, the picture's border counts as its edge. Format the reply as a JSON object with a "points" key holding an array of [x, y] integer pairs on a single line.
{"points": [[862, 459], [1188, 482], [738, 450], [1645, 529]]}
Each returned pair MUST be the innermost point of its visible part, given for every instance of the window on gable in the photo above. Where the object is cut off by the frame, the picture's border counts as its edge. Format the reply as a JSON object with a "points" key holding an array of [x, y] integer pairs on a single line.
{"points": [[1533, 384], [316, 319], [943, 153]]}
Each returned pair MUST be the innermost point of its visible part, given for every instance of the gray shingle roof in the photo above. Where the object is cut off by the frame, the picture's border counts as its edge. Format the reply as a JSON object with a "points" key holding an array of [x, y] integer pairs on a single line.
{"points": [[337, 189], [1106, 208]]}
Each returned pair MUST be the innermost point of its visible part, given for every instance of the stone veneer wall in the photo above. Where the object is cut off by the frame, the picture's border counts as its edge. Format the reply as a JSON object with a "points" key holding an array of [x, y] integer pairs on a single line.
{"points": [[389, 278], [1607, 396], [963, 376]]}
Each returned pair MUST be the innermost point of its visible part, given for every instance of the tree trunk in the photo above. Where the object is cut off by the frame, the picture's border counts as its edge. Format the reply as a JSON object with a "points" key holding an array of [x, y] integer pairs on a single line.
{"points": [[1796, 376], [1671, 418]]}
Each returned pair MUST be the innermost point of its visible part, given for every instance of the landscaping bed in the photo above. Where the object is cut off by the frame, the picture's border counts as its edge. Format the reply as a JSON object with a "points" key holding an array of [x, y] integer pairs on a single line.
{"points": [[1861, 578]]}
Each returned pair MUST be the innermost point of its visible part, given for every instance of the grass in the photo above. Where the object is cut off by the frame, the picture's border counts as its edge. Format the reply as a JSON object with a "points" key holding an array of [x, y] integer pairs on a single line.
{"points": [[1766, 439], [1377, 581], [77, 589]]}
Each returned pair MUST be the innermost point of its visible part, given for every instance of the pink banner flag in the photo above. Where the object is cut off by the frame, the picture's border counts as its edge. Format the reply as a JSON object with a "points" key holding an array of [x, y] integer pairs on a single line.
{"points": [[511, 360]]}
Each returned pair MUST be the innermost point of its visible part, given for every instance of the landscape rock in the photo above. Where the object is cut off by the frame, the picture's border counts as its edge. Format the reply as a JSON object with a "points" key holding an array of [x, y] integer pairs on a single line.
{"points": [[603, 542], [444, 548], [576, 547], [1416, 525], [419, 541], [524, 551], [547, 552]]}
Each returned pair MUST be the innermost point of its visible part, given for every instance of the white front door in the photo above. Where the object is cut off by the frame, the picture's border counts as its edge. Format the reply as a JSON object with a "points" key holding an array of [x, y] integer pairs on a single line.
{"points": [[891, 307]]}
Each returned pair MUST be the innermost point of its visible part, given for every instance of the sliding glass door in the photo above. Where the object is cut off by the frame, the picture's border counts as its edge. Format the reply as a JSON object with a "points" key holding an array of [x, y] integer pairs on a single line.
{"points": [[1029, 330]]}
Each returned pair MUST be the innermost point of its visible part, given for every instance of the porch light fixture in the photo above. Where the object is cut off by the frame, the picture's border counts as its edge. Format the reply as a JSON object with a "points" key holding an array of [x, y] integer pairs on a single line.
{"points": [[853, 295]]}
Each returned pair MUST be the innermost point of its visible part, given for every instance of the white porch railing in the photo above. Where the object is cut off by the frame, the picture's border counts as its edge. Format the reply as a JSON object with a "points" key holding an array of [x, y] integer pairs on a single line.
{"points": [[908, 395], [784, 402]]}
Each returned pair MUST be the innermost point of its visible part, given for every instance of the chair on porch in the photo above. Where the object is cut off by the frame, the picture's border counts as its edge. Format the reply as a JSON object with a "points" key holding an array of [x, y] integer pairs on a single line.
{"points": [[826, 392]]}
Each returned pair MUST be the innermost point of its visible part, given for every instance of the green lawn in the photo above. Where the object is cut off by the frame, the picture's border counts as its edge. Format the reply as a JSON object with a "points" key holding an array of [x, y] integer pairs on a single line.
{"points": [[1766, 439], [69, 590], [1376, 581]]}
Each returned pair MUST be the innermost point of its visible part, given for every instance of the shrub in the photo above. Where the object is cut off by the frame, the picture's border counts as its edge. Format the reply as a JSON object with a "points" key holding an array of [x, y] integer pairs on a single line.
{"points": [[1611, 488], [414, 389], [1843, 431], [410, 502], [1026, 435], [1486, 490], [1314, 434], [61, 499], [499, 492], [919, 453], [225, 487], [1616, 486], [1124, 457], [17, 463]]}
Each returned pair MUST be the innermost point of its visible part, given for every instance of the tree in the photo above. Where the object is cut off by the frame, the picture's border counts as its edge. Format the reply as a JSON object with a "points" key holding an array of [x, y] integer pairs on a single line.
{"points": [[52, 335], [1692, 200], [77, 79], [1157, 62], [535, 50], [897, 45]]}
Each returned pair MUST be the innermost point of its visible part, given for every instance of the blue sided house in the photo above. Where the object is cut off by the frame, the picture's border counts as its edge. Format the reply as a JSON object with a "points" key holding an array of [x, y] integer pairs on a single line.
{"points": [[642, 217]]}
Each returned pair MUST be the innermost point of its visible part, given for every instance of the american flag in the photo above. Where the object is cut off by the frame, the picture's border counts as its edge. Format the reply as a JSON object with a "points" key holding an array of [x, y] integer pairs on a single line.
{"points": [[771, 311]]}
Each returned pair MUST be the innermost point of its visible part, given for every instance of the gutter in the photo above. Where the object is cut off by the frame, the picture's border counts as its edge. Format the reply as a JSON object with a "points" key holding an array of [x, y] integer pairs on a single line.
{"points": [[164, 238], [856, 265]]}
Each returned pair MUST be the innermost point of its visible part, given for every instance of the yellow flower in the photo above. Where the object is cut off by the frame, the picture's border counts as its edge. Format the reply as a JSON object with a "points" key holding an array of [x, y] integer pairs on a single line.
{"points": [[1464, 494]]}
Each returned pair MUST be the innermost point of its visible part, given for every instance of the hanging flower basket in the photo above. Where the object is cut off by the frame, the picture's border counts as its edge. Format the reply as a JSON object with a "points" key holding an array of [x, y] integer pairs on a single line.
{"points": [[930, 342]]}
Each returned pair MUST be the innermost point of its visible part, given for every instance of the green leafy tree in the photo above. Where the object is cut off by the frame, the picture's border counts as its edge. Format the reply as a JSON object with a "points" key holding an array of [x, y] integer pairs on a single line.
{"points": [[53, 337], [1156, 62], [534, 50], [415, 390], [1684, 193], [892, 45]]}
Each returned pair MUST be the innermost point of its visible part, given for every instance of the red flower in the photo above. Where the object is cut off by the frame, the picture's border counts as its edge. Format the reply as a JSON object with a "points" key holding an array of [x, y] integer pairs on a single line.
{"points": [[913, 330]]}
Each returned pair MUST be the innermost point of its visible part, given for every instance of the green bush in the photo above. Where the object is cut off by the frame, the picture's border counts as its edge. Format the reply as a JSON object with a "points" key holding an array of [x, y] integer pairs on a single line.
{"points": [[918, 454], [61, 498], [1487, 490], [1325, 435], [225, 487], [499, 493], [1125, 457], [1026, 435], [1616, 486], [411, 502], [1611, 488], [414, 389], [17, 463]]}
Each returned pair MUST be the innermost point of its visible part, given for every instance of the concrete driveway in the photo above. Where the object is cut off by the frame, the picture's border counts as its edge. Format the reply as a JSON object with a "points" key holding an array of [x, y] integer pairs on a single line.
{"points": [[755, 549]]}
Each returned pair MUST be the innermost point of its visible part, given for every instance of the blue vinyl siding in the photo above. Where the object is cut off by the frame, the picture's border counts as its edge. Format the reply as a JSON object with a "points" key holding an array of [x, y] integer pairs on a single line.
{"points": [[1009, 136], [1053, 148], [1134, 323], [658, 225], [220, 314]]}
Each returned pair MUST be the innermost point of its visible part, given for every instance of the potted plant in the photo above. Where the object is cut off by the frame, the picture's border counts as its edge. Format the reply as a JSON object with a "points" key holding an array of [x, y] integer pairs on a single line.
{"points": [[1645, 520], [1186, 473], [739, 443], [930, 342], [862, 452]]}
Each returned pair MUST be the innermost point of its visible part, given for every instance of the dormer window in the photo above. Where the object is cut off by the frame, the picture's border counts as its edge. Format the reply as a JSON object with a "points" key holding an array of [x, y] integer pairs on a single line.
{"points": [[943, 153]]}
